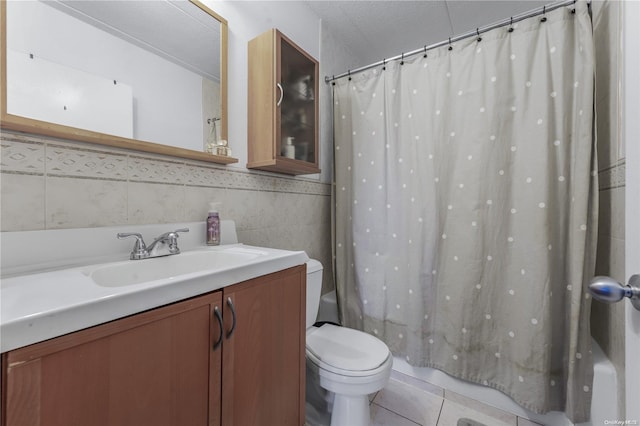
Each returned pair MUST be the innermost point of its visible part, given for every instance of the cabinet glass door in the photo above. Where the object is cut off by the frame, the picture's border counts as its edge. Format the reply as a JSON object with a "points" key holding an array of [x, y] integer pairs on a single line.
{"points": [[297, 109]]}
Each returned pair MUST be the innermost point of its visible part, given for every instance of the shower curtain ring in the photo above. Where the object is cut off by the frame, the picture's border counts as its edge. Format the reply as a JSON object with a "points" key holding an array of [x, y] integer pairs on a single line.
{"points": [[349, 73], [402, 59], [544, 12], [450, 47], [425, 51], [478, 33], [384, 64], [574, 7], [511, 25]]}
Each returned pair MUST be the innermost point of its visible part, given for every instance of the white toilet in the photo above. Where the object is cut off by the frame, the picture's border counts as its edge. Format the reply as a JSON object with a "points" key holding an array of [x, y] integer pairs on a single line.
{"points": [[350, 364]]}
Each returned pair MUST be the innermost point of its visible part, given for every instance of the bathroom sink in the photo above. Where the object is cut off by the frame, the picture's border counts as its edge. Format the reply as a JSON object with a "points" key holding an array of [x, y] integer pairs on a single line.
{"points": [[170, 267], [49, 290]]}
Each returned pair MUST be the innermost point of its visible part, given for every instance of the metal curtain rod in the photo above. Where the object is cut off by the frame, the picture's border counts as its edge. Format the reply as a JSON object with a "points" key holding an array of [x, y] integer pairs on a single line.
{"points": [[474, 33]]}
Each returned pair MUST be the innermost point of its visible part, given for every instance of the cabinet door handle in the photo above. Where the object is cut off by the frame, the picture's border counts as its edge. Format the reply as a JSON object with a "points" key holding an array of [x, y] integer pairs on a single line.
{"points": [[281, 94], [233, 313], [218, 315]]}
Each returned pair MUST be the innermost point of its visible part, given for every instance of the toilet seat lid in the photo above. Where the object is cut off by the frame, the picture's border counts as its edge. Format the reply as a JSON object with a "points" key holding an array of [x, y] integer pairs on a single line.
{"points": [[347, 349]]}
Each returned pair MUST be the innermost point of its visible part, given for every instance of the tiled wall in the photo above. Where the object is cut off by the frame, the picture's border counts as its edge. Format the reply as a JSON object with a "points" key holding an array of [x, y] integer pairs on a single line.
{"points": [[607, 321], [49, 183]]}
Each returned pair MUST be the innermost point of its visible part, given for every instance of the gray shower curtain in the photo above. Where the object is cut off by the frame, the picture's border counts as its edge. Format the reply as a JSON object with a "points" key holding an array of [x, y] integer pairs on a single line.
{"points": [[466, 200]]}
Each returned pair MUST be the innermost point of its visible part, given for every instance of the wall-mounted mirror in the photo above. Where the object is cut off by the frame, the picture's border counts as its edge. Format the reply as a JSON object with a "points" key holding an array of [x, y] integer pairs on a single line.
{"points": [[145, 75]]}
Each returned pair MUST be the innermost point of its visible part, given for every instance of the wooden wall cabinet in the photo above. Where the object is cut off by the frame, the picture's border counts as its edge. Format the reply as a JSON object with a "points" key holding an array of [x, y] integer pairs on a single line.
{"points": [[163, 367], [282, 106]]}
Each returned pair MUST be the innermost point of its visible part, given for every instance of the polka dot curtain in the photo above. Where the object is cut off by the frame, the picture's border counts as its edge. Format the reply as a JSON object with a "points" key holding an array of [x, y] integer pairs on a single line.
{"points": [[466, 200]]}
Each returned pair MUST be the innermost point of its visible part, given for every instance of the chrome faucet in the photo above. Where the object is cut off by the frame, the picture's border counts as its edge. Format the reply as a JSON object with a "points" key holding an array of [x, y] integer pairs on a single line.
{"points": [[164, 245], [167, 241]]}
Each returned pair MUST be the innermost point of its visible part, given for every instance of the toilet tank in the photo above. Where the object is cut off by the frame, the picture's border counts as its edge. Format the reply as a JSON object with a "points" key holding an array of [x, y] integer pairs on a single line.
{"points": [[314, 288]]}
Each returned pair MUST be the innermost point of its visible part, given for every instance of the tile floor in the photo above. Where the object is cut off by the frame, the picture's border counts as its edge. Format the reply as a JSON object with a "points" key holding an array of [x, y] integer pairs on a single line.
{"points": [[407, 401]]}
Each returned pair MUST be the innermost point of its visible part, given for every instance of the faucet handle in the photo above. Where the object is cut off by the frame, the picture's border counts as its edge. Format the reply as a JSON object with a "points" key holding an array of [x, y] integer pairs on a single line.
{"points": [[173, 240], [139, 247]]}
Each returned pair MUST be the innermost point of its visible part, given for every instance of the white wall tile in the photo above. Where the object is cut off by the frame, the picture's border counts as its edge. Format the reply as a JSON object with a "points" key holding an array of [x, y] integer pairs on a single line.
{"points": [[63, 160], [154, 203], [607, 40], [197, 199], [145, 169], [22, 202], [84, 203], [607, 130], [25, 157]]}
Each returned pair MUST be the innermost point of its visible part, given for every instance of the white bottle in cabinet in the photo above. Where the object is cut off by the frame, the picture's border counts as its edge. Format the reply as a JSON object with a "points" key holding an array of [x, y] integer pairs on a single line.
{"points": [[288, 149]]}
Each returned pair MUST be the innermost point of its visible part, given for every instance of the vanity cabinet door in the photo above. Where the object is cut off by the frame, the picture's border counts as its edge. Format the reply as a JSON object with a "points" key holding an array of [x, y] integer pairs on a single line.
{"points": [[154, 368], [263, 374]]}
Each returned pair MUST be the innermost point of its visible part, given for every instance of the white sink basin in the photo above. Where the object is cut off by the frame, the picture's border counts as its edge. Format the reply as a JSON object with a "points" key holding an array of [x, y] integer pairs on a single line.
{"points": [[170, 267]]}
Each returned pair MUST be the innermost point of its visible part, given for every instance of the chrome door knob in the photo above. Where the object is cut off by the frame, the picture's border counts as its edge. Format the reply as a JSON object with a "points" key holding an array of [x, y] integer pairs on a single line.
{"points": [[606, 289]]}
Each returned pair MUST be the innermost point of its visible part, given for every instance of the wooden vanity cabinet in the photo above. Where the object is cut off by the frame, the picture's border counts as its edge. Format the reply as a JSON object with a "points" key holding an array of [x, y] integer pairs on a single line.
{"points": [[282, 106], [160, 367]]}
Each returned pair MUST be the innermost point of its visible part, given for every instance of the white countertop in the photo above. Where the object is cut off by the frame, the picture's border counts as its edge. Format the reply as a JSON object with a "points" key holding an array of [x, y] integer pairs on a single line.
{"points": [[40, 306]]}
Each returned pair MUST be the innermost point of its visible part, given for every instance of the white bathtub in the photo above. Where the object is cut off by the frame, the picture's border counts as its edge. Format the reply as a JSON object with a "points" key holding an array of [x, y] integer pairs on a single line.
{"points": [[604, 405]]}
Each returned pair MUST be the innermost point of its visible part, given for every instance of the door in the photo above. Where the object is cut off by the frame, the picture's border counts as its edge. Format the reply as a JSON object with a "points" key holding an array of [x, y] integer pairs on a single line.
{"points": [[263, 353], [631, 93]]}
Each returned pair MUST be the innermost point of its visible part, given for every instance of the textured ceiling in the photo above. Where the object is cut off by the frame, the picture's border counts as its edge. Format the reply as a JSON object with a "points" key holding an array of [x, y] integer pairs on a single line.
{"points": [[374, 30]]}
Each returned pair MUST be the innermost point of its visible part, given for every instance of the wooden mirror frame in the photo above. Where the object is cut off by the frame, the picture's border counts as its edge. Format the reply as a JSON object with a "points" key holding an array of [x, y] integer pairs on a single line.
{"points": [[23, 124]]}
